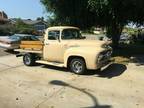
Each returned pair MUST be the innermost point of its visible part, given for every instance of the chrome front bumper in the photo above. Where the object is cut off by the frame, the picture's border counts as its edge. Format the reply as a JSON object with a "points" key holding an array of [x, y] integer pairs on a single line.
{"points": [[104, 59], [103, 64]]}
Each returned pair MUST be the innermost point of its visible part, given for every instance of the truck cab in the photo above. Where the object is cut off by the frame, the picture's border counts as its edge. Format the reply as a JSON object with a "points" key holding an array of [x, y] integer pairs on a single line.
{"points": [[63, 46], [57, 41]]}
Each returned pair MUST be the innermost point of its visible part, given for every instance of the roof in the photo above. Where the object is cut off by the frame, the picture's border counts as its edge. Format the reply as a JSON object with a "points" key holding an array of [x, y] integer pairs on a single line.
{"points": [[62, 27], [28, 21], [33, 22], [22, 35], [3, 16]]}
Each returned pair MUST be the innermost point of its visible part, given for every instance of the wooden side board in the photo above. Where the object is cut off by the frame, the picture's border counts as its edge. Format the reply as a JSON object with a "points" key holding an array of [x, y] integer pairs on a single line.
{"points": [[31, 45], [31, 42]]}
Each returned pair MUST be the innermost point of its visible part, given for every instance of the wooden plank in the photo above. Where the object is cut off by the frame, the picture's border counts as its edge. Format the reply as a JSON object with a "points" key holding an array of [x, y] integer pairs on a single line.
{"points": [[22, 46], [31, 43]]}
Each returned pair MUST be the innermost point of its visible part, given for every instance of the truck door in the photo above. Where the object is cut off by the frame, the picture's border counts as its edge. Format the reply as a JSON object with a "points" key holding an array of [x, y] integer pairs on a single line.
{"points": [[53, 47]]}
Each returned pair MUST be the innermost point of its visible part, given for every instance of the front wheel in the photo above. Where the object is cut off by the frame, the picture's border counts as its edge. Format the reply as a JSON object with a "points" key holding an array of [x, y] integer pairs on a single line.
{"points": [[29, 59], [78, 66]]}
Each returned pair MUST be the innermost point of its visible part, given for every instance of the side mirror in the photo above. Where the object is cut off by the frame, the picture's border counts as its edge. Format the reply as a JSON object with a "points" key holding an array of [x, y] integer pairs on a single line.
{"points": [[44, 32]]}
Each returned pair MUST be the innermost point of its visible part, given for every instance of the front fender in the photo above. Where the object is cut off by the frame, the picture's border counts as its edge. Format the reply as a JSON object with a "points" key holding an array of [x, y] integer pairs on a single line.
{"points": [[89, 54]]}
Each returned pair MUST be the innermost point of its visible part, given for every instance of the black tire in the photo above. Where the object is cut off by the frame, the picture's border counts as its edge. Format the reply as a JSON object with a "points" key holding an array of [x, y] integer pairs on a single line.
{"points": [[78, 66], [98, 70], [29, 59]]}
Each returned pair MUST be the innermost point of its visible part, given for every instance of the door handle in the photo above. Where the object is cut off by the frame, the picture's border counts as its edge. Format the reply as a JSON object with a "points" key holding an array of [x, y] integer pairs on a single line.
{"points": [[65, 45], [47, 44]]}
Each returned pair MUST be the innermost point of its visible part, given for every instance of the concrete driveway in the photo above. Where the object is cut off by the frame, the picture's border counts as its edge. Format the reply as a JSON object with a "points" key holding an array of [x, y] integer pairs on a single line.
{"points": [[117, 86], [3, 52]]}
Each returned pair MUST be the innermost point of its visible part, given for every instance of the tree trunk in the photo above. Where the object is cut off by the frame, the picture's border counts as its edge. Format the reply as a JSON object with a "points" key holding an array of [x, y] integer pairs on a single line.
{"points": [[114, 31]]}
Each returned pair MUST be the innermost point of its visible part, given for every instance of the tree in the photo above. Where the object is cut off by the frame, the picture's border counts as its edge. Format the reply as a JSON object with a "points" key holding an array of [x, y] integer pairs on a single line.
{"points": [[112, 14], [21, 27], [70, 12], [115, 14], [40, 18]]}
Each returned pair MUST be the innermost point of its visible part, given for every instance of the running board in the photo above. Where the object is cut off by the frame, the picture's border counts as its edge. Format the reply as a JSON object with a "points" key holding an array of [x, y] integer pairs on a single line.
{"points": [[50, 63]]}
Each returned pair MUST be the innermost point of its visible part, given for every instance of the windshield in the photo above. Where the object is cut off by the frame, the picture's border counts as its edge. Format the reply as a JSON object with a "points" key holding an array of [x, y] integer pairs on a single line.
{"points": [[71, 34], [14, 37], [34, 38]]}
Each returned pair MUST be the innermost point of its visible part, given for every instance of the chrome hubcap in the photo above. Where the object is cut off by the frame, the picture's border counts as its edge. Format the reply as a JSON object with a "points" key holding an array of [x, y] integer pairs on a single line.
{"points": [[27, 60], [77, 66]]}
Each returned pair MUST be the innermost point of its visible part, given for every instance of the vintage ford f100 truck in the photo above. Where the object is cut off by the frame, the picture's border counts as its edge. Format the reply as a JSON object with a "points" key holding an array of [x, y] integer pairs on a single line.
{"points": [[63, 46]]}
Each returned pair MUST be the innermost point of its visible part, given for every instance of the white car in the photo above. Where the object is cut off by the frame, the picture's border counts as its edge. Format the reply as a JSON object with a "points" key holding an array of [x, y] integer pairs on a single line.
{"points": [[13, 42]]}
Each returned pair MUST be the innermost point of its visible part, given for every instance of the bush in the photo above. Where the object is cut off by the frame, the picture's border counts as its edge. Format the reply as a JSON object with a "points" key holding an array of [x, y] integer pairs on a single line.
{"points": [[25, 31], [5, 31]]}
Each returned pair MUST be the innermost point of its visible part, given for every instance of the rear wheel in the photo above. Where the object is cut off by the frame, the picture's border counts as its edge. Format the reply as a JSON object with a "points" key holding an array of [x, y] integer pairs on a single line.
{"points": [[78, 66], [29, 59]]}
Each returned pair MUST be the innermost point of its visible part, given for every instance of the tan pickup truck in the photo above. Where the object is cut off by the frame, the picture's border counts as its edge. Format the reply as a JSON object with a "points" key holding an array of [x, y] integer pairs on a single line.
{"points": [[63, 46]]}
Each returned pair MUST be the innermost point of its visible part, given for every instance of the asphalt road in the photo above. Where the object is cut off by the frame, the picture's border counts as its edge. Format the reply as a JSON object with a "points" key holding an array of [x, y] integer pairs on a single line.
{"points": [[117, 86]]}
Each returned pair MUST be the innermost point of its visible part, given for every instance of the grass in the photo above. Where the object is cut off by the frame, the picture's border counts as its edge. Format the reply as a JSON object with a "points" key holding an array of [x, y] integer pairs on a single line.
{"points": [[121, 60], [125, 53]]}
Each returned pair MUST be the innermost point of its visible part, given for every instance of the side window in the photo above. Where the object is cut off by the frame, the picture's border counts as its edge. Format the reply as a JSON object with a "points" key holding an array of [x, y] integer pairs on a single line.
{"points": [[53, 35], [70, 34]]}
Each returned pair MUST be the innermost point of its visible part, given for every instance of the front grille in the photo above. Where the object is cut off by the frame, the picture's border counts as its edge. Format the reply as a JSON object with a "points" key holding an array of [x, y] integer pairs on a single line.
{"points": [[105, 55]]}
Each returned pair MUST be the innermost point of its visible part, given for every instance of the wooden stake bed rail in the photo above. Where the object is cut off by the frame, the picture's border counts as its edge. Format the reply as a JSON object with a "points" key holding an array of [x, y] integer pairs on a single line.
{"points": [[31, 45]]}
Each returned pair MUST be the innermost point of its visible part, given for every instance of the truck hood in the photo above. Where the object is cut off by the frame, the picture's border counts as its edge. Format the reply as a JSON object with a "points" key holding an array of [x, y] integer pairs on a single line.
{"points": [[86, 43]]}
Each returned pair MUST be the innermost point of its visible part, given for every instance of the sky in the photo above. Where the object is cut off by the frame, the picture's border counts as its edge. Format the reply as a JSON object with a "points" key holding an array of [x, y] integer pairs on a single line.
{"points": [[25, 9]]}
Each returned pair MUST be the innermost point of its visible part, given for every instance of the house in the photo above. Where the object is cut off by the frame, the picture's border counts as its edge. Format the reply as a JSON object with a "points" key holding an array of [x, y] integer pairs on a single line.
{"points": [[39, 25], [4, 24], [3, 18]]}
